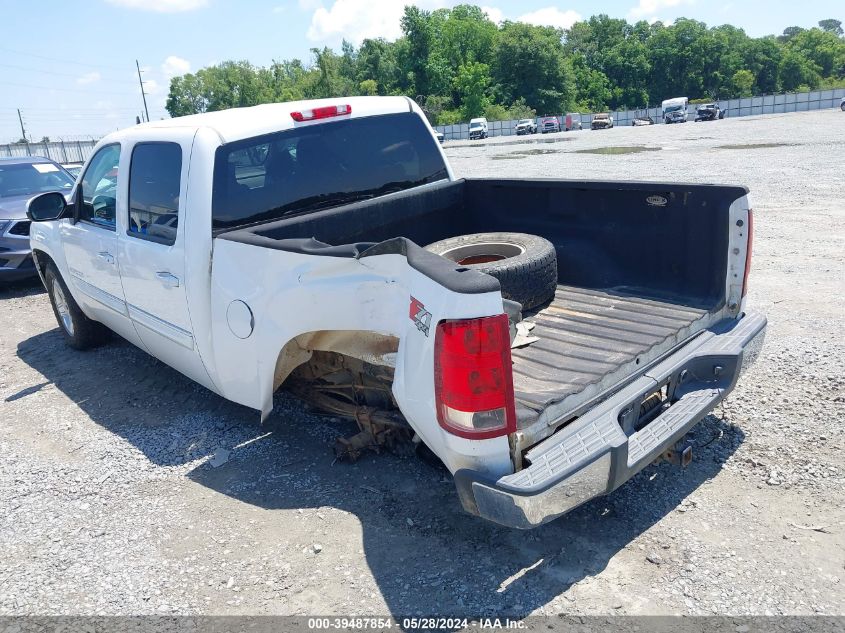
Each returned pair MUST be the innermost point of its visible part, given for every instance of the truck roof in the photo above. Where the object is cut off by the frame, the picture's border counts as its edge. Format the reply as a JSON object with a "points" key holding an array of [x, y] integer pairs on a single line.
{"points": [[239, 123]]}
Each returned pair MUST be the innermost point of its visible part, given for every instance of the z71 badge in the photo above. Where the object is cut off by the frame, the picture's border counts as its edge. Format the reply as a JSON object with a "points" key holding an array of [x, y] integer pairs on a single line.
{"points": [[420, 316]]}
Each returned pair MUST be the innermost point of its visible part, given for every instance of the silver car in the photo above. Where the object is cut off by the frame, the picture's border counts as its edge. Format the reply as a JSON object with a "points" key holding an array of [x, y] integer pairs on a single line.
{"points": [[20, 179]]}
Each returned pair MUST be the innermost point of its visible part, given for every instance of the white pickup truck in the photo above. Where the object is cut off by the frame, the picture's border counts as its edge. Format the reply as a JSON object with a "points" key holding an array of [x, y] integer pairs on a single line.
{"points": [[544, 362]]}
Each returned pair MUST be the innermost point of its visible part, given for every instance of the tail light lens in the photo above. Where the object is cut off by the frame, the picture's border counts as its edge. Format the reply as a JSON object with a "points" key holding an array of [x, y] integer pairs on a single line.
{"points": [[473, 378], [750, 233], [324, 112]]}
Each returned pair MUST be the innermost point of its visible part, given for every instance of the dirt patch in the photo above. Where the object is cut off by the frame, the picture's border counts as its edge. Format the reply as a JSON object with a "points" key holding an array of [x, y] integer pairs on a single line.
{"points": [[755, 146], [536, 152], [614, 151]]}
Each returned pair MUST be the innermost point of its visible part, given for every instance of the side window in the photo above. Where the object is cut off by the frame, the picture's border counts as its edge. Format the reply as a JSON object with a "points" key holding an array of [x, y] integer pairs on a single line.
{"points": [[154, 182], [99, 188]]}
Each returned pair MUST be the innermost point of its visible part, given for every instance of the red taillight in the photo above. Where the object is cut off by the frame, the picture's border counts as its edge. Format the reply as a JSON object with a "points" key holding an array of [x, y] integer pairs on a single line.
{"points": [[473, 379], [750, 233], [324, 112]]}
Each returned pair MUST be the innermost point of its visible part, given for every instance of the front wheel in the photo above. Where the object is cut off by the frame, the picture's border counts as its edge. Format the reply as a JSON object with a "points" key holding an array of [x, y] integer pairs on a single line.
{"points": [[842, 107], [79, 331]]}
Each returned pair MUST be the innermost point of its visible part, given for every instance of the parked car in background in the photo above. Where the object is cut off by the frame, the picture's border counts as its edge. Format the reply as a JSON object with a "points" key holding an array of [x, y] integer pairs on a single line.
{"points": [[478, 128], [602, 121], [439, 136], [642, 120], [573, 121], [21, 179], [675, 110], [526, 126], [709, 112], [72, 168], [550, 124]]}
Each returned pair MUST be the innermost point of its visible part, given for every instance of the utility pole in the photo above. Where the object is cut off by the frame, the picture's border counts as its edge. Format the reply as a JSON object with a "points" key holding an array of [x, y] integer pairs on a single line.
{"points": [[143, 94], [23, 131]]}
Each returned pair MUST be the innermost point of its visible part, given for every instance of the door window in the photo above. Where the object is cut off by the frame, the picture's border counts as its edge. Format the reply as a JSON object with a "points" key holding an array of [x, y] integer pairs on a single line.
{"points": [[99, 188], [154, 182]]}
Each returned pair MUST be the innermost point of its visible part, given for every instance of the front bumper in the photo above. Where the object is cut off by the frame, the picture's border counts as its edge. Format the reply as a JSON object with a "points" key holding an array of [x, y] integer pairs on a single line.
{"points": [[15, 255], [595, 455]]}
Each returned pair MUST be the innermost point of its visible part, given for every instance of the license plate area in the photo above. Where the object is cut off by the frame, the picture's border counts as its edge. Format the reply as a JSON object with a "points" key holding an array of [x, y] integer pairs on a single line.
{"points": [[646, 408]]}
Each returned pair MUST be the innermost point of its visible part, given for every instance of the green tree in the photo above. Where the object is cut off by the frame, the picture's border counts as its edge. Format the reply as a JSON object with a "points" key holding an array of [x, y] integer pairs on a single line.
{"points": [[472, 83], [368, 87], [743, 82], [592, 86], [796, 71], [831, 26], [457, 63], [187, 95], [529, 62], [419, 33]]}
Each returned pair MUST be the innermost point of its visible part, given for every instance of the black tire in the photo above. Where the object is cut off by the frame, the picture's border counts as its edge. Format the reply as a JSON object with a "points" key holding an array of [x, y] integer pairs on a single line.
{"points": [[78, 330], [526, 266]]}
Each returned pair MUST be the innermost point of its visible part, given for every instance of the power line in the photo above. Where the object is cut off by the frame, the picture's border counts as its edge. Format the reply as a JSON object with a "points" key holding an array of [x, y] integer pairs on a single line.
{"points": [[104, 92], [58, 74], [67, 110], [61, 61]]}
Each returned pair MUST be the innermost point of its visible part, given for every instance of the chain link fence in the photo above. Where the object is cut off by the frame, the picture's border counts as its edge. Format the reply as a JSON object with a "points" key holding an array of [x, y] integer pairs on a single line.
{"points": [[58, 151]]}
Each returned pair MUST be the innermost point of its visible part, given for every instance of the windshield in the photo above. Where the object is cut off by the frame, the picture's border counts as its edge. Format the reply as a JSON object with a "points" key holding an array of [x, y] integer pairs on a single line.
{"points": [[26, 179], [322, 165], [524, 122], [475, 124], [674, 108]]}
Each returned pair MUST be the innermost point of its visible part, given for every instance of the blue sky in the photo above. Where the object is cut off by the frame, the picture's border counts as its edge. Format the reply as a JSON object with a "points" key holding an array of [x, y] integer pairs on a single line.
{"points": [[70, 66]]}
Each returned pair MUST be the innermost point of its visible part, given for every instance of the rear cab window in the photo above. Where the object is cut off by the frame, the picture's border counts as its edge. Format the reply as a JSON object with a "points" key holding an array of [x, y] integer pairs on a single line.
{"points": [[155, 175], [322, 165]]}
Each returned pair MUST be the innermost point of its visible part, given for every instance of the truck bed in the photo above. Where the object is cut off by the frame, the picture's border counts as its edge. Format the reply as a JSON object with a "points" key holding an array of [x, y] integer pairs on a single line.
{"points": [[590, 340], [641, 267]]}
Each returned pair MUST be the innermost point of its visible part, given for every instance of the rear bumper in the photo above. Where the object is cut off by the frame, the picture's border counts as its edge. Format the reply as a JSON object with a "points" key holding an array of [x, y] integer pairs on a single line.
{"points": [[595, 455]]}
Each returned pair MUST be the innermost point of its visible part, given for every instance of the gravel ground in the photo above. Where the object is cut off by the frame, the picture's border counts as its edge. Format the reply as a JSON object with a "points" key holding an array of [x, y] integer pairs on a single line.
{"points": [[110, 504]]}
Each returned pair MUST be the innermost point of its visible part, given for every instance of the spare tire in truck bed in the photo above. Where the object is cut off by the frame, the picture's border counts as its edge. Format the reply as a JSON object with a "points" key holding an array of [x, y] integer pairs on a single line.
{"points": [[525, 265]]}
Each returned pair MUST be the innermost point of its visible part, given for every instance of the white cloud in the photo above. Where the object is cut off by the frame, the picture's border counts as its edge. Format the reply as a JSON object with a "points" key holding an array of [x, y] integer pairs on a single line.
{"points": [[653, 7], [552, 16], [161, 6], [356, 20], [174, 66], [494, 14], [88, 78]]}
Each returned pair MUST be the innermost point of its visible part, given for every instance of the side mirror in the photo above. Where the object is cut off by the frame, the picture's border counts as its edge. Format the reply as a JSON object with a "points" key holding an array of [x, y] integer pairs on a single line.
{"points": [[46, 207]]}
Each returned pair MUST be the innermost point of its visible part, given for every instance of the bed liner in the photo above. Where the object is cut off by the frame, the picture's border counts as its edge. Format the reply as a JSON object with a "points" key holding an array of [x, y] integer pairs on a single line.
{"points": [[591, 340]]}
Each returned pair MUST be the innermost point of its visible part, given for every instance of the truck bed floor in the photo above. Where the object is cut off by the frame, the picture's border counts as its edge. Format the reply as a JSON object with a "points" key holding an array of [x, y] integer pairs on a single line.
{"points": [[590, 340]]}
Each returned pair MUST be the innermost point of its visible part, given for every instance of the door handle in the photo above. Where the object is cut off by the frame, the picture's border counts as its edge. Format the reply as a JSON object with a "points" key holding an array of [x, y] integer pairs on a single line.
{"points": [[106, 257], [168, 280]]}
